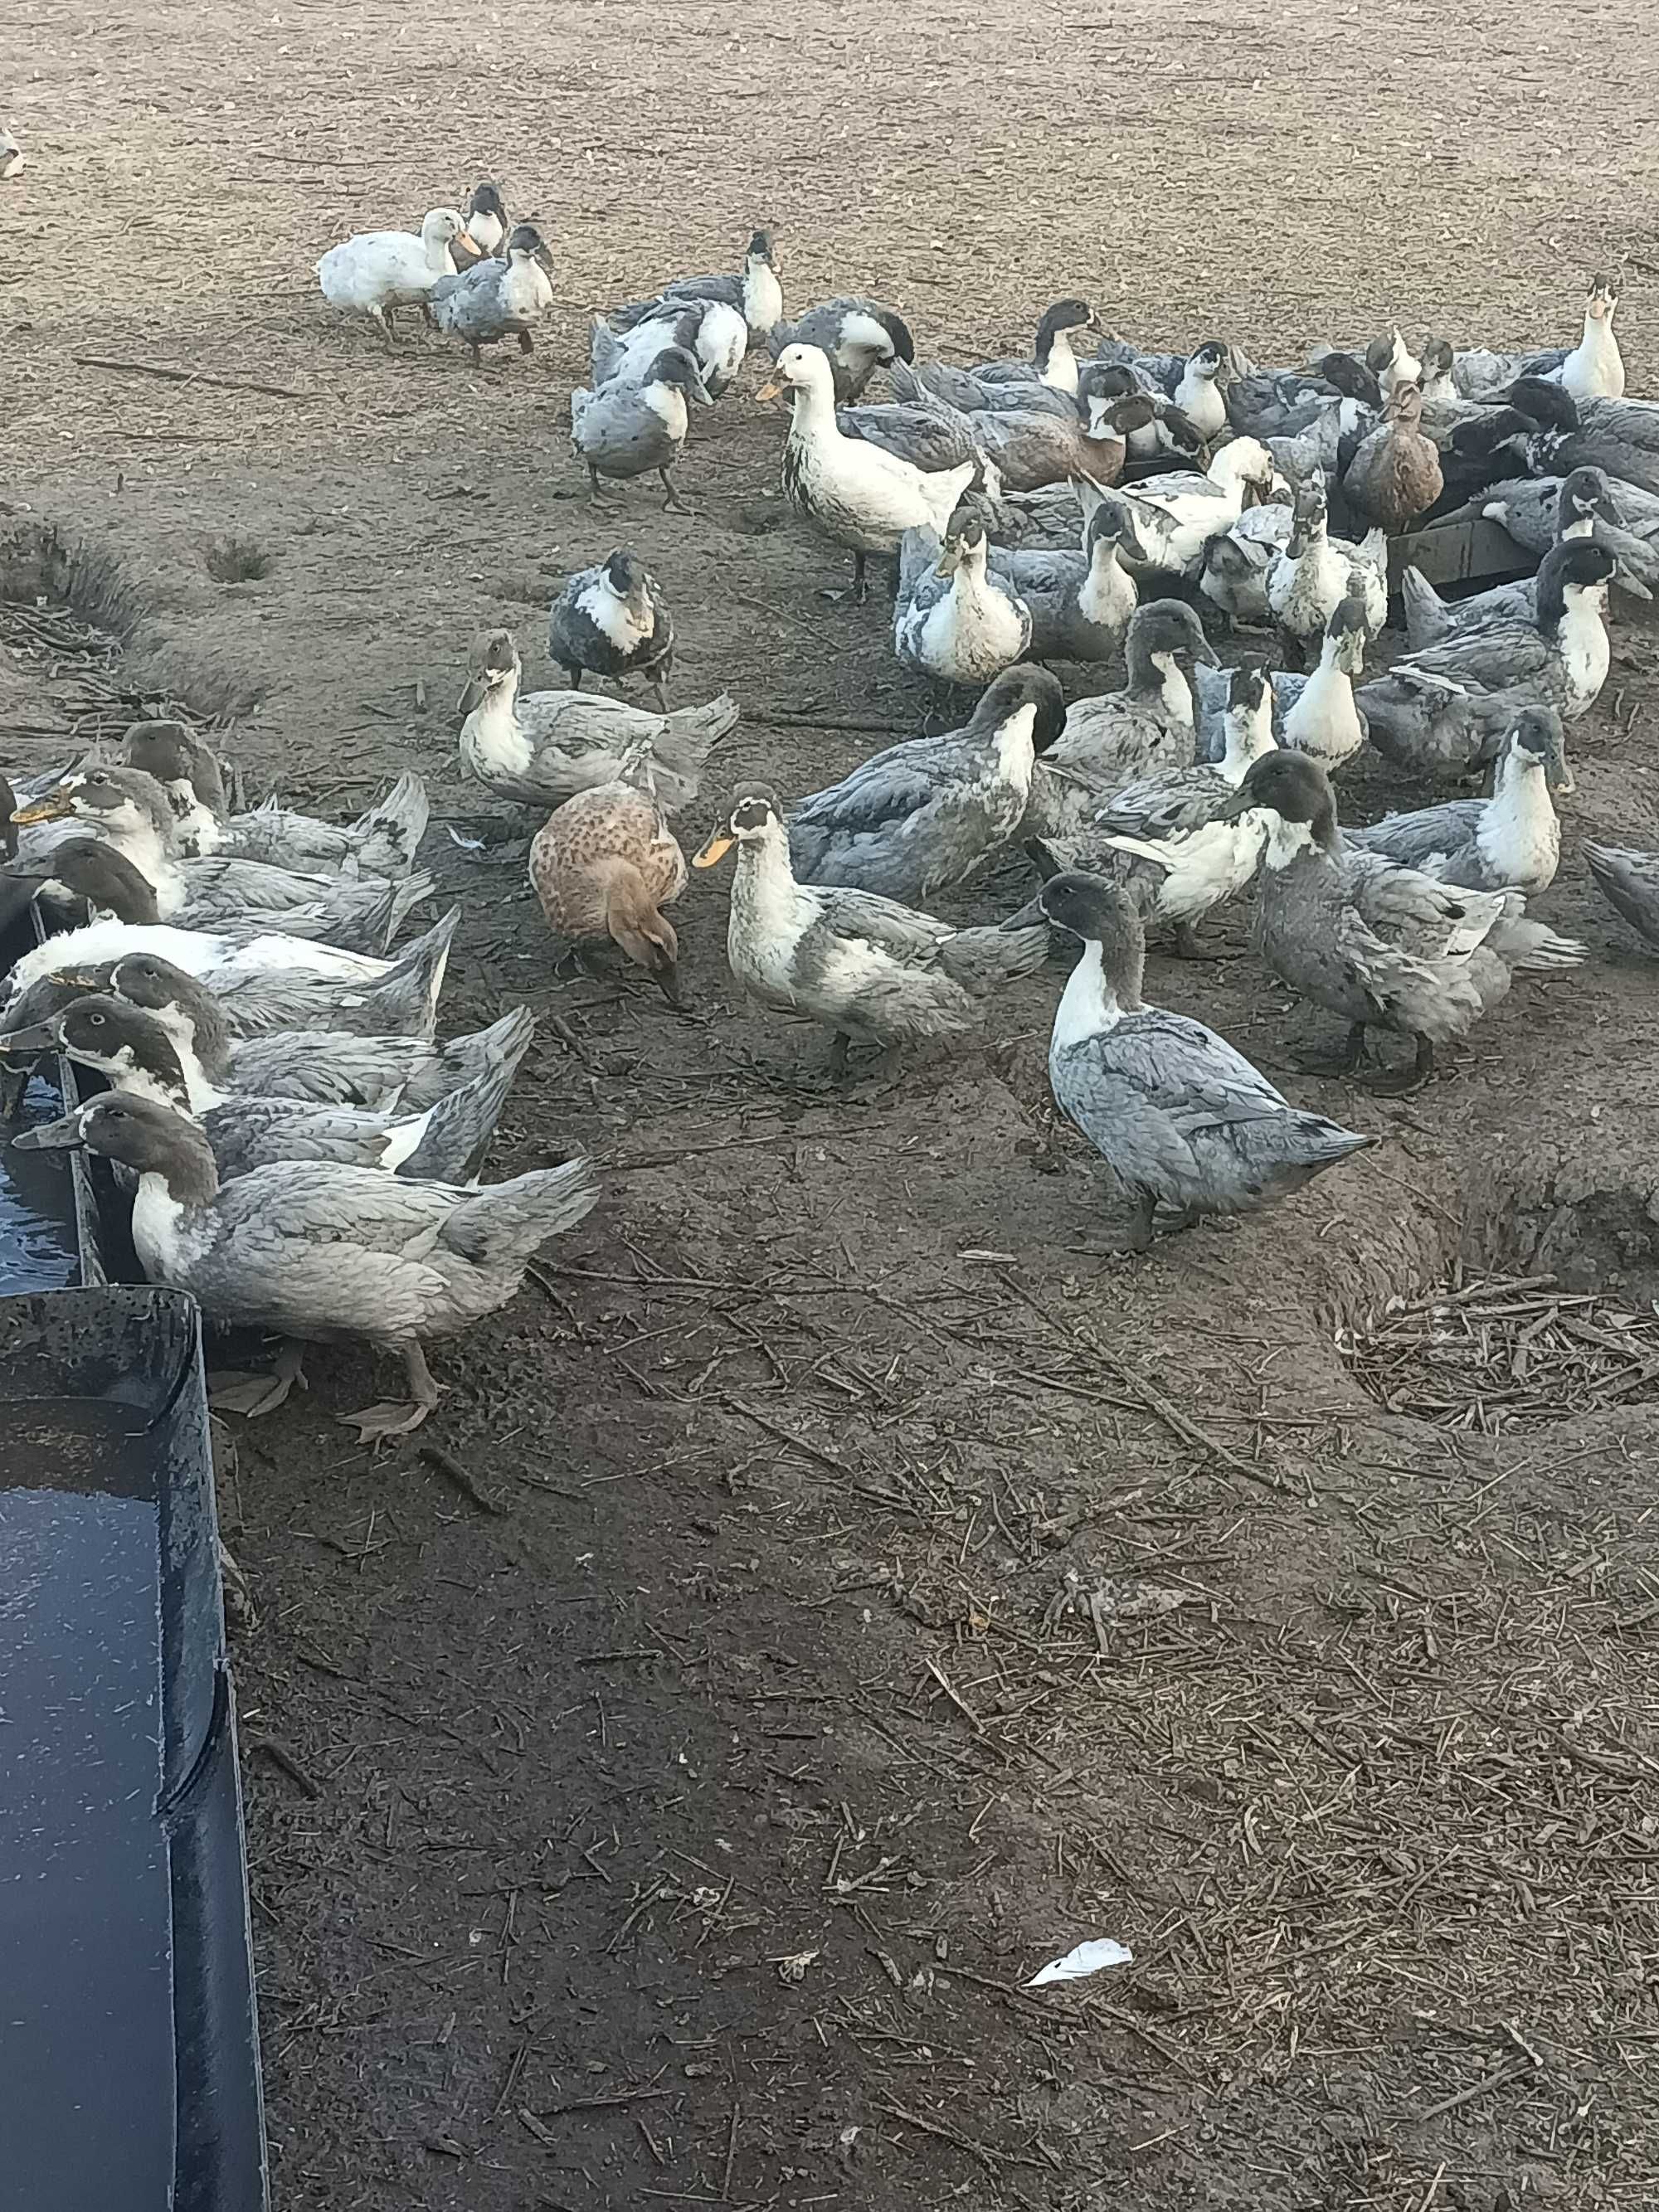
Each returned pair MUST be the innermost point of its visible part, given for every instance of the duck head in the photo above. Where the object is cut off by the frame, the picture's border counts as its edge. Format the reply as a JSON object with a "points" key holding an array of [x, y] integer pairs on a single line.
{"points": [[443, 228], [1436, 377], [1157, 633], [1404, 409], [149, 1139], [1309, 513], [1296, 791], [800, 369], [1538, 747], [1063, 315], [1350, 378], [761, 253], [492, 664], [183, 1007], [754, 820], [1212, 360], [1586, 496], [94, 870], [106, 1033], [1245, 464], [1546, 405], [1348, 631], [525, 243], [1567, 574], [680, 370], [1013, 691], [1089, 908], [174, 754], [628, 577], [1603, 299], [486, 201], [115, 802]]}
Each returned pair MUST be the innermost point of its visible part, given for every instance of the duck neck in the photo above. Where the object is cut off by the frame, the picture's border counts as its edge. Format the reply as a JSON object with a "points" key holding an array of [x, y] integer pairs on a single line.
{"points": [[194, 830], [1092, 1002], [762, 296], [1175, 692], [439, 258], [813, 420], [1016, 748], [493, 730], [190, 1177], [1290, 843], [1248, 733], [1521, 825], [1057, 366], [765, 895]]}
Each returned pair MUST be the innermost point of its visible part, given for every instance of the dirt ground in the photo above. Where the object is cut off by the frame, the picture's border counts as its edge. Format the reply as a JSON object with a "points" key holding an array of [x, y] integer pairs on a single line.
{"points": [[870, 1585]]}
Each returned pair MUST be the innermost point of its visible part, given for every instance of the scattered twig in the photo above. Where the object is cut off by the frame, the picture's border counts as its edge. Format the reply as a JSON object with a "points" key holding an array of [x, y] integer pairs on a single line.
{"points": [[170, 373], [448, 1465], [267, 1747]]}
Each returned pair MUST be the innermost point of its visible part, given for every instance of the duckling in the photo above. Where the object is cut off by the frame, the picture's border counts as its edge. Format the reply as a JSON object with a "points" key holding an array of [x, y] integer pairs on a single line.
{"points": [[853, 492], [1119, 739], [1183, 1121], [1445, 710], [1383, 946], [266, 983], [12, 157], [1314, 714], [324, 1253], [918, 818], [543, 748], [624, 430], [1511, 842], [756, 292], [1052, 361], [446, 1140], [487, 226], [1583, 507], [716, 335], [320, 1067], [1175, 516], [1080, 604], [612, 621], [1629, 881], [856, 336], [382, 842], [1238, 563], [605, 864], [1395, 475], [1311, 577], [1593, 369], [954, 619], [379, 271], [1161, 839], [865, 966], [219, 893], [498, 298]]}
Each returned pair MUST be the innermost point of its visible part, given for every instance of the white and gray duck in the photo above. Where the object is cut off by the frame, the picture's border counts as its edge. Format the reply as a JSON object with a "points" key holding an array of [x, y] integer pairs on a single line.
{"points": [[1583, 507], [955, 619], [1168, 840], [1052, 361], [320, 1252], [1122, 737], [502, 297], [448, 1139], [857, 336], [1592, 369], [1186, 1126], [540, 748], [1081, 604], [716, 335], [863, 966], [920, 817], [1084, 438], [1510, 841], [1381, 946], [612, 621], [1309, 578], [487, 225], [625, 430], [1444, 710], [755, 292], [1174, 516], [1315, 713]]}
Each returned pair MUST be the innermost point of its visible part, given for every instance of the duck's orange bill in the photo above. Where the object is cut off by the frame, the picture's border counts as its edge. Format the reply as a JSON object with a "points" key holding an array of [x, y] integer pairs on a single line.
{"points": [[716, 850], [52, 808], [770, 391]]}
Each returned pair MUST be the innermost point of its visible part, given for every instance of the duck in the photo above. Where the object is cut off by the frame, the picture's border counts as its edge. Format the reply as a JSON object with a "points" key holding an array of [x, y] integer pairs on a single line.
{"points": [[1509, 842], [541, 749], [971, 395], [1080, 604], [1308, 579], [320, 1252], [140, 1058], [612, 621], [1124, 737], [1328, 443], [954, 619], [142, 884], [1394, 365], [756, 292], [623, 431], [1087, 441], [853, 492], [856, 336], [1160, 839], [272, 983], [12, 157], [500, 297], [868, 969], [382, 842], [918, 818], [1629, 881], [1175, 516], [923, 431], [1593, 369], [487, 226], [1529, 508], [1283, 402], [1317, 714], [1618, 436], [605, 864], [1197, 382], [715, 335], [1237, 564], [1583, 507], [1053, 360], [379, 271], [1383, 946], [1185, 1123], [1396, 475], [1446, 708], [1158, 427], [317, 1067]]}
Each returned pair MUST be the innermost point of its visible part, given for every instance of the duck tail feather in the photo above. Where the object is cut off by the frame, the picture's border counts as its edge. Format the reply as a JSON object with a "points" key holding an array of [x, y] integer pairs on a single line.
{"points": [[460, 1125], [387, 837], [1530, 949], [1427, 617], [687, 737], [982, 960], [505, 1227]]}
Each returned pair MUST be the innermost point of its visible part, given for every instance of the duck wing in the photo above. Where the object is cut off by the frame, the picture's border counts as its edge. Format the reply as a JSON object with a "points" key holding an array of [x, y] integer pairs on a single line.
{"points": [[1435, 840]]}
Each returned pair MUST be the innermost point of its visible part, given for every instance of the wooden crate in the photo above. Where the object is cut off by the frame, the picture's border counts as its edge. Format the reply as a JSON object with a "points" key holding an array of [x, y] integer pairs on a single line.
{"points": [[1459, 556]]}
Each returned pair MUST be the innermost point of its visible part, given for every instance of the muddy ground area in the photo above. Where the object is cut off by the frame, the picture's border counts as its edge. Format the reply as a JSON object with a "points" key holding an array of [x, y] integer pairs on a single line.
{"points": [[865, 1584]]}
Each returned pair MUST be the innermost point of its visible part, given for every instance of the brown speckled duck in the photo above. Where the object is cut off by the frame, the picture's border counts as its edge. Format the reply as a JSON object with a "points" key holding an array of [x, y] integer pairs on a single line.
{"points": [[605, 865], [1395, 476]]}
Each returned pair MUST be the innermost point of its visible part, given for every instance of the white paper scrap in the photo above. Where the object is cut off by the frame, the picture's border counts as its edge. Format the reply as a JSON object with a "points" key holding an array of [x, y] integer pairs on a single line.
{"points": [[1087, 1959]]}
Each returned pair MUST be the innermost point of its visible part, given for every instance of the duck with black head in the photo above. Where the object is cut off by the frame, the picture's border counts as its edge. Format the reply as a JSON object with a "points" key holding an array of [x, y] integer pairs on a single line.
{"points": [[755, 291], [502, 297], [857, 337], [1186, 1126], [612, 621], [625, 430], [487, 226]]}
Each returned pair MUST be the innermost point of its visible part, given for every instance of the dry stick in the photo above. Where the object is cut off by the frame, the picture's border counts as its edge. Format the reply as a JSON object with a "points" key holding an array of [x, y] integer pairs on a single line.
{"points": [[1475, 2089], [730, 2151], [448, 1465], [171, 374]]}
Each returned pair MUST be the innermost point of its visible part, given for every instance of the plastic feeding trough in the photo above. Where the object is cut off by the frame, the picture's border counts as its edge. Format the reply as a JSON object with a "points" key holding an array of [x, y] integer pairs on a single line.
{"points": [[128, 2042]]}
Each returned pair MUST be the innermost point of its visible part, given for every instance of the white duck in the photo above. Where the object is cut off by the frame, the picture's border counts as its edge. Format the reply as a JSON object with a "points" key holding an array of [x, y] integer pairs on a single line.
{"points": [[954, 619], [379, 271], [853, 492], [1309, 578], [1175, 516]]}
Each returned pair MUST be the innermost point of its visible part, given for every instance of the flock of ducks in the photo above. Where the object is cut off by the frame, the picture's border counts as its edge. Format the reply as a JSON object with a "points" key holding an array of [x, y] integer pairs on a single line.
{"points": [[306, 1157]]}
